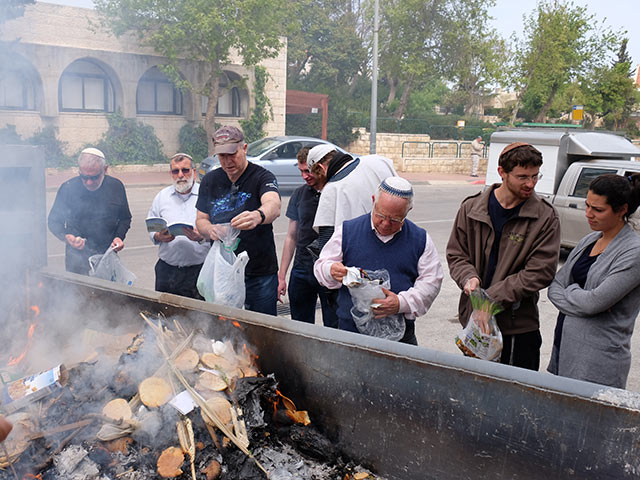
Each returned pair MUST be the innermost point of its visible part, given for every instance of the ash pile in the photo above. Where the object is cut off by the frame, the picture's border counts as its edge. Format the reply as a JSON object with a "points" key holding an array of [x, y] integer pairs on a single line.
{"points": [[161, 402]]}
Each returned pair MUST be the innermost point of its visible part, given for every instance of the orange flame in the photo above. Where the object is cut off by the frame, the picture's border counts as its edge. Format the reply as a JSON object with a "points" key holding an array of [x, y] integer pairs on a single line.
{"points": [[29, 476], [13, 361], [237, 325]]}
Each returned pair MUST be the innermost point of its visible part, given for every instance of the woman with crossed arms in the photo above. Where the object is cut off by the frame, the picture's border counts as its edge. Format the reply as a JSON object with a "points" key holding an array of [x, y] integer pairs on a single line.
{"points": [[598, 289]]}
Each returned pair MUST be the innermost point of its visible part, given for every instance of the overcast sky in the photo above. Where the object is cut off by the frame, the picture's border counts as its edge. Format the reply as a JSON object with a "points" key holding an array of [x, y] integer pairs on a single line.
{"points": [[619, 14]]}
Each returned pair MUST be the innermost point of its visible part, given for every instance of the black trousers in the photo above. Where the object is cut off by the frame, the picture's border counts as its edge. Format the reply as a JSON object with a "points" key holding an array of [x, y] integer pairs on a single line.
{"points": [[522, 350], [177, 280]]}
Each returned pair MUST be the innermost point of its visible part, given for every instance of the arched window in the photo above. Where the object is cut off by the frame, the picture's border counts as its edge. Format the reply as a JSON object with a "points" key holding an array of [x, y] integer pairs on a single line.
{"points": [[157, 95], [17, 91], [85, 87], [229, 99]]}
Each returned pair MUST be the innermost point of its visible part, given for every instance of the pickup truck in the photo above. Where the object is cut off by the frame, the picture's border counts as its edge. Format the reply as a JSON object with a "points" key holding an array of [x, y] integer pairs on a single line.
{"points": [[570, 161]]}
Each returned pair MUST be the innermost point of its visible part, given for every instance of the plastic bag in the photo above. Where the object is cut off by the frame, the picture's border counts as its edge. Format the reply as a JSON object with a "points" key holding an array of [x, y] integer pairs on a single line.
{"points": [[364, 286], [221, 278], [481, 338], [108, 266]]}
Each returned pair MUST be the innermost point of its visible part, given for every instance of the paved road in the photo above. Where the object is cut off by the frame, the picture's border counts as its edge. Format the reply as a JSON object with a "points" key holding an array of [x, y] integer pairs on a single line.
{"points": [[435, 206]]}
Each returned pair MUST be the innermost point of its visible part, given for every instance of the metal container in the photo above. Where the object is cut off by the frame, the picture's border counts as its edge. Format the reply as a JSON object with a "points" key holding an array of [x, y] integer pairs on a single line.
{"points": [[408, 412]]}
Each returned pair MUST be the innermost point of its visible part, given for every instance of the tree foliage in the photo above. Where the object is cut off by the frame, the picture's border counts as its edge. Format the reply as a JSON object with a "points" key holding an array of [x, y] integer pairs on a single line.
{"points": [[477, 60], [207, 31], [612, 95], [253, 127], [419, 40], [562, 44], [130, 141]]}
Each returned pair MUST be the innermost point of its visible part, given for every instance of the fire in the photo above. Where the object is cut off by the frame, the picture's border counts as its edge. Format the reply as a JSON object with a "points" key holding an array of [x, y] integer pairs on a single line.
{"points": [[250, 354], [13, 361], [298, 416], [29, 476], [237, 325]]}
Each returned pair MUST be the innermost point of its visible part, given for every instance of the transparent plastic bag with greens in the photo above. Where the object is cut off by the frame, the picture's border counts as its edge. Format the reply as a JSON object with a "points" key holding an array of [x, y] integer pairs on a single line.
{"points": [[221, 278], [481, 338], [365, 286]]}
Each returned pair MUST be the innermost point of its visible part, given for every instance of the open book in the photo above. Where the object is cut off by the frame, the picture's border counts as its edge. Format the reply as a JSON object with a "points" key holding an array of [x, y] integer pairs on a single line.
{"points": [[157, 224]]}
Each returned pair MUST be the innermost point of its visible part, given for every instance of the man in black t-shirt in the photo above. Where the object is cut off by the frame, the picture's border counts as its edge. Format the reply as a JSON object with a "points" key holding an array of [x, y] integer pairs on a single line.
{"points": [[245, 195], [90, 212], [304, 289]]}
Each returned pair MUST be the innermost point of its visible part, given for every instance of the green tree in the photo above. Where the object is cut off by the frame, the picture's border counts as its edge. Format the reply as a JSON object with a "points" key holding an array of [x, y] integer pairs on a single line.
{"points": [[477, 60], [418, 42], [206, 31], [12, 9], [562, 44], [612, 94], [326, 51]]}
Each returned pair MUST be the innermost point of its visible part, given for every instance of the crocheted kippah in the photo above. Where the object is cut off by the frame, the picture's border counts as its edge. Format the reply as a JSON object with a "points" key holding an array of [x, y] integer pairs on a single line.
{"points": [[397, 186]]}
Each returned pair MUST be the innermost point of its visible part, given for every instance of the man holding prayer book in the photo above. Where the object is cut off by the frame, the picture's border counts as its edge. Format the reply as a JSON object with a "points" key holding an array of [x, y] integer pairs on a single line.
{"points": [[181, 253]]}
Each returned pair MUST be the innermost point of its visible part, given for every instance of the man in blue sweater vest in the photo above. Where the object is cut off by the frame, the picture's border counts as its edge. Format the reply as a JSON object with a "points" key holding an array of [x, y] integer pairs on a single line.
{"points": [[385, 239]]}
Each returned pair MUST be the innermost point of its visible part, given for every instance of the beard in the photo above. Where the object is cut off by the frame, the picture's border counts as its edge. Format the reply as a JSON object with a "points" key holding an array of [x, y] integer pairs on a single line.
{"points": [[183, 185]]}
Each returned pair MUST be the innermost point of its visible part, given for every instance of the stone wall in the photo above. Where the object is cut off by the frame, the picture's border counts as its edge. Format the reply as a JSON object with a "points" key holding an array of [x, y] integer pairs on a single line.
{"points": [[418, 153], [37, 44]]}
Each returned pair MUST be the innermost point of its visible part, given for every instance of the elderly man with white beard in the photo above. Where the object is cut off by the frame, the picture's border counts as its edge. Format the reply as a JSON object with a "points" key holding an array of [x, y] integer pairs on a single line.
{"points": [[180, 257]]}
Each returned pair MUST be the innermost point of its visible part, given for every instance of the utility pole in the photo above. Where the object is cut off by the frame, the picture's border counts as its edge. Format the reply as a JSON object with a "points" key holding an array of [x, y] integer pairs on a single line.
{"points": [[374, 83]]}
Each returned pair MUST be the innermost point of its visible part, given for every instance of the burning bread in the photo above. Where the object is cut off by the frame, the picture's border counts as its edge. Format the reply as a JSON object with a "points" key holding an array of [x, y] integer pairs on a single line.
{"points": [[169, 462], [154, 392], [218, 362], [187, 360], [118, 409], [221, 407], [211, 381]]}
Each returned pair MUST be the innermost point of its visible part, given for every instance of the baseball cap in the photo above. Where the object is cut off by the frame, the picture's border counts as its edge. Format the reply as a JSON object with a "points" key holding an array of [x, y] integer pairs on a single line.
{"points": [[317, 153], [227, 140]]}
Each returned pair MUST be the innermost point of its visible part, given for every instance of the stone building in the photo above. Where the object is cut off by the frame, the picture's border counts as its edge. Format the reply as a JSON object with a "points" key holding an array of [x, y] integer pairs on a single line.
{"points": [[64, 71]]}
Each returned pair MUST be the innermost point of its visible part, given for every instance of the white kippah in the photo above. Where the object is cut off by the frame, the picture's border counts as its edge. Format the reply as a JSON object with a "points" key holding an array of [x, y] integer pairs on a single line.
{"points": [[93, 151], [397, 186], [317, 153]]}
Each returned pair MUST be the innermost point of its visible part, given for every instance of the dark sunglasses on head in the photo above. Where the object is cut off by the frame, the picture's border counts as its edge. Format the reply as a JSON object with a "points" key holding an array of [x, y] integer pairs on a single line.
{"points": [[176, 171], [93, 178]]}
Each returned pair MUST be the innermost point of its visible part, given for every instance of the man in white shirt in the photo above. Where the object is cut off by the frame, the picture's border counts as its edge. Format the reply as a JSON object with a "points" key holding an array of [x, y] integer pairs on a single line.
{"points": [[350, 184], [180, 257], [384, 239]]}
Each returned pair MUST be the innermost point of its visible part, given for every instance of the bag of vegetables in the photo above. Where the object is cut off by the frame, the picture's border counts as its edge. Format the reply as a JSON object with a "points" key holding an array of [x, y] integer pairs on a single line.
{"points": [[481, 338]]}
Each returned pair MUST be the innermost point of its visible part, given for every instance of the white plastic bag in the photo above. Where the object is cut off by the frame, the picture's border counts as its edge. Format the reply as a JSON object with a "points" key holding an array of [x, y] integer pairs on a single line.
{"points": [[364, 286], [221, 278], [108, 266]]}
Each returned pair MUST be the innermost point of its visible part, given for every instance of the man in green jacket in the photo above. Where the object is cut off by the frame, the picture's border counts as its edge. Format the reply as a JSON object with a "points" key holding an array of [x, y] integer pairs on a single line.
{"points": [[506, 240]]}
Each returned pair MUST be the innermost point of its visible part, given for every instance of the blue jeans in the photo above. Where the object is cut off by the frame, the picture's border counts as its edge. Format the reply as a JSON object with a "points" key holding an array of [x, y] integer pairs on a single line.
{"points": [[262, 294], [304, 290]]}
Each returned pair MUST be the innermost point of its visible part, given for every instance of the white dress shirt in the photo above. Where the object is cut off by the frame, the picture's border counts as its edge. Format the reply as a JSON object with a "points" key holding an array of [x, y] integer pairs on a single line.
{"points": [[176, 207], [413, 302]]}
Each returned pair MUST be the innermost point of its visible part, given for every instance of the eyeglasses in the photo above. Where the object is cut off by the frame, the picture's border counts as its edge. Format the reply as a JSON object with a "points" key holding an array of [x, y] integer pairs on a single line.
{"points": [[392, 220], [185, 171], [93, 178], [526, 178]]}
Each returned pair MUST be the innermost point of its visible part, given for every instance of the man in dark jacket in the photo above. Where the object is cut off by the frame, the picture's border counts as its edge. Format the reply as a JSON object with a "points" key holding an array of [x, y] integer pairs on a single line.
{"points": [[506, 240], [90, 212]]}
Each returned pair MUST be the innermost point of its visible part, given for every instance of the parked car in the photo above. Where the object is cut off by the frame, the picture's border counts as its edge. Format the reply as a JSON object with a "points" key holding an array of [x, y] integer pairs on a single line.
{"points": [[276, 154]]}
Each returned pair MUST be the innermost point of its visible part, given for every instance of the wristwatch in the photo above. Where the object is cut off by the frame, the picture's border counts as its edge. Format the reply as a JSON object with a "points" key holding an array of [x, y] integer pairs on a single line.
{"points": [[262, 217]]}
